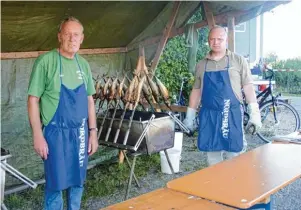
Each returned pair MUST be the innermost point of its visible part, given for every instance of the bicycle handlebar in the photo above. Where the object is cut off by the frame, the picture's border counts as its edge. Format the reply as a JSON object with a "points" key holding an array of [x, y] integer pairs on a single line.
{"points": [[184, 79], [272, 74]]}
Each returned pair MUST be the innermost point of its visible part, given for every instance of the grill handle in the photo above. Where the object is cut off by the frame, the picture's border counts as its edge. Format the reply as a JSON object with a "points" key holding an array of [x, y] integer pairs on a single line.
{"points": [[144, 131], [179, 122]]}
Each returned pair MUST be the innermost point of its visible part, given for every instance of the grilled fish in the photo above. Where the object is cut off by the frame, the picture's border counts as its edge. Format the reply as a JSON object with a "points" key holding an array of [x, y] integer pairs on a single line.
{"points": [[154, 89]]}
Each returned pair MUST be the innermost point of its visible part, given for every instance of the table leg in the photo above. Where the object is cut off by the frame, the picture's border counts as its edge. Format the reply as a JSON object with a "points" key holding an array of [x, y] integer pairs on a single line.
{"points": [[265, 204]]}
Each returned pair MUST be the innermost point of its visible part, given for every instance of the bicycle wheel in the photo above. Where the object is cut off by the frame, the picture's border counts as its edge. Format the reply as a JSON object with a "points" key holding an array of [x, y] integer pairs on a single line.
{"points": [[284, 120]]}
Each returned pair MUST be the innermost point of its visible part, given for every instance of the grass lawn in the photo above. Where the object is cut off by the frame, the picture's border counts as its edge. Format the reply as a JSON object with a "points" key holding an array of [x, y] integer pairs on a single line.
{"points": [[102, 180], [289, 94]]}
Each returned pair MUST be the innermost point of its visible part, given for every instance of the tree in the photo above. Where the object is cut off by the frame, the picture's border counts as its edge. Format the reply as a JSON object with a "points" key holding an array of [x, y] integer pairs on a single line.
{"points": [[173, 64], [288, 81]]}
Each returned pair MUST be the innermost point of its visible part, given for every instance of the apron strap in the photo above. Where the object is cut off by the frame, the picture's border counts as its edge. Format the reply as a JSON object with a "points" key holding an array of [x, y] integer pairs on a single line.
{"points": [[80, 69], [228, 63], [60, 67], [227, 67], [81, 72]]}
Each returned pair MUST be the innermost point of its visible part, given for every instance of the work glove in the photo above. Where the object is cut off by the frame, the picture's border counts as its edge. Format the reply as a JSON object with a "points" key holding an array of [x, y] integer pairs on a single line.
{"points": [[255, 118], [189, 121]]}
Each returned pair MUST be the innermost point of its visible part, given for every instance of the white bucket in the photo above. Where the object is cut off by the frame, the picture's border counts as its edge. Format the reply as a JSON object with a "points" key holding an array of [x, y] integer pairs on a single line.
{"points": [[178, 140], [174, 154], [174, 158]]}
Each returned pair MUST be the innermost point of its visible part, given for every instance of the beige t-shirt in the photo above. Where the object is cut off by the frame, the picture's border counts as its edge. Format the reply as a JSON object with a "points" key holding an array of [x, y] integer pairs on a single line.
{"points": [[239, 72]]}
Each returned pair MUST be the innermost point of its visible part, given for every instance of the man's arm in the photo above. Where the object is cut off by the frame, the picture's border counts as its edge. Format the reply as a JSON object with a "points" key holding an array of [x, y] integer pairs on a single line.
{"points": [[40, 144], [93, 142], [253, 108], [91, 110], [247, 81], [194, 98], [250, 93], [194, 101]]}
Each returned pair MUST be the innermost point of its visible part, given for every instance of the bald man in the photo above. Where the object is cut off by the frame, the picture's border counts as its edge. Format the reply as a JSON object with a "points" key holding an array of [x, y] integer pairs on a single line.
{"points": [[219, 79]]}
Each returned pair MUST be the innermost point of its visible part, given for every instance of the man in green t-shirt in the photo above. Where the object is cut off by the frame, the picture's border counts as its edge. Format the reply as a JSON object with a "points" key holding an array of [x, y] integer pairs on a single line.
{"points": [[62, 116]]}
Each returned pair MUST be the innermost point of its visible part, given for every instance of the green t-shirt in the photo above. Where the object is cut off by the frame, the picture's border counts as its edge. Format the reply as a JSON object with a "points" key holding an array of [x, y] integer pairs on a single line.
{"points": [[45, 80]]}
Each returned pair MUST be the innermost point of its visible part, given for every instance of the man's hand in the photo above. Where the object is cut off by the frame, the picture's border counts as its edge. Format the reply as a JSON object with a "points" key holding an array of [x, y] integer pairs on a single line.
{"points": [[189, 121], [93, 143], [255, 118], [40, 146], [39, 142]]}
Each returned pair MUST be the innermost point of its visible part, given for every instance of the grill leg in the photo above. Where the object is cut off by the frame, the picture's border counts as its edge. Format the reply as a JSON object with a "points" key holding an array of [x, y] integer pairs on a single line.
{"points": [[169, 163], [130, 179], [128, 162]]}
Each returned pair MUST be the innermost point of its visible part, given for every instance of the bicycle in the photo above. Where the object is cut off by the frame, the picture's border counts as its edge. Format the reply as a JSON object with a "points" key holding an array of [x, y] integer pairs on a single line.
{"points": [[277, 116]]}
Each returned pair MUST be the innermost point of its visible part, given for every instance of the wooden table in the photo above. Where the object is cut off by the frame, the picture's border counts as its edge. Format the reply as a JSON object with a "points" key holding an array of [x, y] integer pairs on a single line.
{"points": [[247, 179], [166, 199]]}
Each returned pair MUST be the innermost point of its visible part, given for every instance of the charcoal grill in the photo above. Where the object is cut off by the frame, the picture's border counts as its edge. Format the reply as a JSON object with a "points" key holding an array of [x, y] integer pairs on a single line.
{"points": [[158, 137], [149, 133]]}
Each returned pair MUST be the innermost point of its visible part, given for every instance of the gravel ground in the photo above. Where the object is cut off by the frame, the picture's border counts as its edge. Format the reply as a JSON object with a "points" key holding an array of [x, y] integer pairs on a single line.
{"points": [[289, 198]]}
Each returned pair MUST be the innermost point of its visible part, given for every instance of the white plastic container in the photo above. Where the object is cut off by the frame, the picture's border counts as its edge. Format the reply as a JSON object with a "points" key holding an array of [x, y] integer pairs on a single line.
{"points": [[174, 158], [178, 141], [174, 154]]}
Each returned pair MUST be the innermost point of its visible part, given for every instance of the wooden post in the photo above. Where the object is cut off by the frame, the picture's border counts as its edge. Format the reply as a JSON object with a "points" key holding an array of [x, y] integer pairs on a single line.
{"points": [[165, 35], [209, 15], [141, 51], [231, 34]]}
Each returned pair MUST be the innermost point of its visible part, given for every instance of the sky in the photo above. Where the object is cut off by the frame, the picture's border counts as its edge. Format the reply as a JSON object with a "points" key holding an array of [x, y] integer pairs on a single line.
{"points": [[282, 30]]}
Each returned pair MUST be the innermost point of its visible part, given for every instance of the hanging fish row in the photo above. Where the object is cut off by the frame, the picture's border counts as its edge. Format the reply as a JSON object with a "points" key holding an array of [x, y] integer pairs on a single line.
{"points": [[140, 87], [109, 88]]}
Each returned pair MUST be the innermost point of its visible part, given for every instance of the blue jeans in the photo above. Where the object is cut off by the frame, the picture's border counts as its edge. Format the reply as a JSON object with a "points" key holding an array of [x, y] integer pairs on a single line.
{"points": [[54, 199]]}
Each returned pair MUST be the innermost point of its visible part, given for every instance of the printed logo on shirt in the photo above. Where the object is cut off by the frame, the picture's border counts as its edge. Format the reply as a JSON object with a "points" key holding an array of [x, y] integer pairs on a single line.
{"points": [[225, 119], [80, 74], [82, 144]]}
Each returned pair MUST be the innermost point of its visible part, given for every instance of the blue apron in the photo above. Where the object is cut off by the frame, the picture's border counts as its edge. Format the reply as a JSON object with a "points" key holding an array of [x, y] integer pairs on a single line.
{"points": [[67, 138], [220, 118]]}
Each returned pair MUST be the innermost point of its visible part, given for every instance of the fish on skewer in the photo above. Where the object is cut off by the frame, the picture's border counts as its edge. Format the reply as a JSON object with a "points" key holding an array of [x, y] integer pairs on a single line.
{"points": [[129, 92], [118, 96], [147, 94], [106, 92], [138, 91], [146, 90], [120, 87], [97, 89], [164, 92], [154, 89], [135, 89], [106, 88], [127, 99], [137, 99], [102, 95], [113, 89]]}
